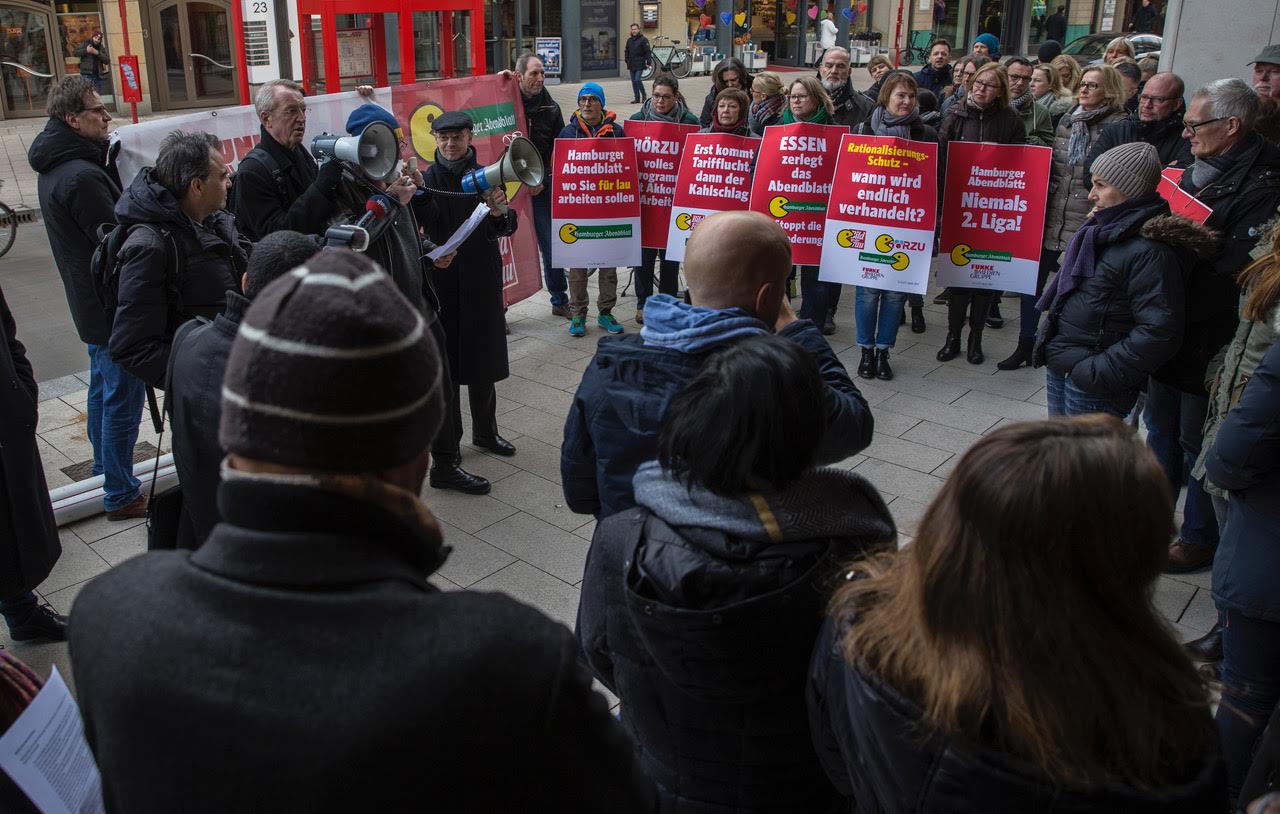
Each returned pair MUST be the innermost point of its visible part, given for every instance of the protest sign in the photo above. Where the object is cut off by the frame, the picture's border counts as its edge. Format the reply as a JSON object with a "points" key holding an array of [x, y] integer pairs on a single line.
{"points": [[993, 210], [493, 102], [793, 182], [1180, 201], [595, 203], [880, 218], [715, 176], [658, 148]]}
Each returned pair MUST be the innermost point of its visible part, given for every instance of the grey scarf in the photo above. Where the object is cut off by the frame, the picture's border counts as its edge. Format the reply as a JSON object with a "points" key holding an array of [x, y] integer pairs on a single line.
{"points": [[882, 124], [456, 167], [1079, 120], [652, 114], [1022, 101]]}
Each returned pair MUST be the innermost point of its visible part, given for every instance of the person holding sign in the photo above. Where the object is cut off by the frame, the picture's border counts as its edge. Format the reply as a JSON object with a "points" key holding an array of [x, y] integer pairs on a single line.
{"points": [[984, 115], [878, 311], [591, 120], [732, 106], [767, 102]]}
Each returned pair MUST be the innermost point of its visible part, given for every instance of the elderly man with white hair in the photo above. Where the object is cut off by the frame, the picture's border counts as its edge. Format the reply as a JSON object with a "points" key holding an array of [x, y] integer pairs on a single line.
{"points": [[852, 107]]}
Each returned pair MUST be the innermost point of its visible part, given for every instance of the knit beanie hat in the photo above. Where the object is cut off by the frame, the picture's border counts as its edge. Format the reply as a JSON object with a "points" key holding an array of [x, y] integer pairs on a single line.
{"points": [[993, 44], [332, 369], [1132, 168], [592, 89], [366, 115], [1049, 50]]}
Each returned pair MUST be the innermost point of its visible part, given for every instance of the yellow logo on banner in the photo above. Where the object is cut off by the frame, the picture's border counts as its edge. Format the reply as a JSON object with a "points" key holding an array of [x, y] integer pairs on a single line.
{"points": [[900, 261], [423, 139], [845, 238], [569, 233], [884, 243], [684, 221], [960, 254], [778, 207]]}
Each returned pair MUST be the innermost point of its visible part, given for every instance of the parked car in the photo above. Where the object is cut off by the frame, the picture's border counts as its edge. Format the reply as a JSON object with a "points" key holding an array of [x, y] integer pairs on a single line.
{"points": [[1090, 48]]}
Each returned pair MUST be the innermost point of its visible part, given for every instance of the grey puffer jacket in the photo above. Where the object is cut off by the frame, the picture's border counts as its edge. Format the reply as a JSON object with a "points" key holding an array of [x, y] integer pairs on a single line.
{"points": [[1069, 204]]}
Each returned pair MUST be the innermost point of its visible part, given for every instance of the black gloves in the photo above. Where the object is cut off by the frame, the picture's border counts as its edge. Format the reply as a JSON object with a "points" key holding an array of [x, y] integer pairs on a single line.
{"points": [[329, 177]]}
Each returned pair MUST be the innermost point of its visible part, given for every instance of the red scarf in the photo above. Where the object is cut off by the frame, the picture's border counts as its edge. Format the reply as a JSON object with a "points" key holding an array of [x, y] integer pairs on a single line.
{"points": [[735, 128], [605, 129]]}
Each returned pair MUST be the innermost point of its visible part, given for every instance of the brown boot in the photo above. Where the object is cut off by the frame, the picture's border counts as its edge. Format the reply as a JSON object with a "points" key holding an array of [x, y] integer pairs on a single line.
{"points": [[1184, 558], [133, 510]]}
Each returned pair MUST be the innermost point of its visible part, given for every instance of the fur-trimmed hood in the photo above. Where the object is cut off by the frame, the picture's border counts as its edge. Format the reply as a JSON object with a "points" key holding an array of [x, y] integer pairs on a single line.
{"points": [[1182, 234]]}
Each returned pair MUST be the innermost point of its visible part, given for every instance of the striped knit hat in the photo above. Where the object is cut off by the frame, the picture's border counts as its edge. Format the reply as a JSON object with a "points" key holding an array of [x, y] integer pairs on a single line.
{"points": [[332, 369]]}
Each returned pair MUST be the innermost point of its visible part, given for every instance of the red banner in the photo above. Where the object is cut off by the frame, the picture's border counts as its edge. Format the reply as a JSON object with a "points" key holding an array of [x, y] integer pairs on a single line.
{"points": [[793, 182], [1180, 201], [715, 176], [658, 149], [595, 204], [130, 87]]}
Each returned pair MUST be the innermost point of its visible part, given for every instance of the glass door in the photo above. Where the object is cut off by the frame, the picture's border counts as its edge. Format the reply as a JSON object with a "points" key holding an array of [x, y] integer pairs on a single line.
{"points": [[26, 61], [191, 49]]}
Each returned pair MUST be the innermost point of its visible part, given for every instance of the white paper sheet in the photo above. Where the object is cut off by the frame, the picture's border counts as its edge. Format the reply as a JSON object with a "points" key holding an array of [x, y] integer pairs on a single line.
{"points": [[464, 231], [47, 756]]}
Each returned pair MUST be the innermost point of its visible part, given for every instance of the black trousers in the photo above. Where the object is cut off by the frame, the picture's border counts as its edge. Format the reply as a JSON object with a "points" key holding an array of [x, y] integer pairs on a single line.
{"points": [[970, 302], [668, 275], [484, 420]]}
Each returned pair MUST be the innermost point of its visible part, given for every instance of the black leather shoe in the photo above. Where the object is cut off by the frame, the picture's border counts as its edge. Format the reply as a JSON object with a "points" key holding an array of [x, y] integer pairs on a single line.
{"points": [[883, 372], [994, 318], [453, 476], [975, 356], [828, 326], [497, 445], [944, 296], [1185, 558], [43, 623], [951, 348], [1208, 647], [917, 319], [867, 367]]}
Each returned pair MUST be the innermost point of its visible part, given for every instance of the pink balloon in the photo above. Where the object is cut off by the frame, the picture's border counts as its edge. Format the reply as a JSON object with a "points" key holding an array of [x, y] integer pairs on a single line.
{"points": [[813, 12]]}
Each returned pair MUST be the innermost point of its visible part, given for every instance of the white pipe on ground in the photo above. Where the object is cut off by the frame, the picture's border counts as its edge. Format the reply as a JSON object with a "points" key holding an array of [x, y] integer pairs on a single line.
{"points": [[82, 499]]}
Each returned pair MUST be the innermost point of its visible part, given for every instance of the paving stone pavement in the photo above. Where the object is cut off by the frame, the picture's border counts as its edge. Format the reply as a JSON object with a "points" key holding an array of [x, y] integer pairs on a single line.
{"points": [[521, 539]]}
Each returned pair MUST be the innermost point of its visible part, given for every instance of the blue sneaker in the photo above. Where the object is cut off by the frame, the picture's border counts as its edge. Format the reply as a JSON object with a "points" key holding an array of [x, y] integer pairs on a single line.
{"points": [[578, 326], [610, 324]]}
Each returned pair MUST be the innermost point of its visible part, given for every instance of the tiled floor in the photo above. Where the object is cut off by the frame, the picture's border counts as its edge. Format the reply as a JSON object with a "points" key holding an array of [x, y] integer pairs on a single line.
{"points": [[522, 540]]}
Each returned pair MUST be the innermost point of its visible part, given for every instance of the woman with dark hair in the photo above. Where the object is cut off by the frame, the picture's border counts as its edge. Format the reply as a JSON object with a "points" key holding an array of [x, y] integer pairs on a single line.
{"points": [[879, 312], [942, 684], [728, 73], [700, 606], [985, 115], [732, 106]]}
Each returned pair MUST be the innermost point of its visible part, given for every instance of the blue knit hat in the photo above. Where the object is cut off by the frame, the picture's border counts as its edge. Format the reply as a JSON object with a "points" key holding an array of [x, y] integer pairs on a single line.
{"points": [[989, 40], [367, 114], [592, 89]]}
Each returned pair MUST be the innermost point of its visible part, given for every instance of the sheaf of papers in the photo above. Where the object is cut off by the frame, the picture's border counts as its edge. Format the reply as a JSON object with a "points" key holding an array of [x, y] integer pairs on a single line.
{"points": [[464, 231]]}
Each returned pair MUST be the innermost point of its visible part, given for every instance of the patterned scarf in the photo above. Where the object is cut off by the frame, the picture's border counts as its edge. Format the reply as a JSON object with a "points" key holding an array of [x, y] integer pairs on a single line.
{"points": [[882, 124], [603, 131], [1023, 100], [768, 108], [1079, 120]]}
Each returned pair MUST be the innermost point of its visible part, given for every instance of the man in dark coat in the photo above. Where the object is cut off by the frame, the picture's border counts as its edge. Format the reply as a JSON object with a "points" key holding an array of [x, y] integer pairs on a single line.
{"points": [[545, 121], [736, 265], [29, 544], [638, 55], [470, 292], [1159, 123], [93, 58], [196, 365], [368, 688], [1237, 174], [1145, 18], [1055, 27], [935, 76], [183, 253], [852, 107], [78, 187], [277, 184]]}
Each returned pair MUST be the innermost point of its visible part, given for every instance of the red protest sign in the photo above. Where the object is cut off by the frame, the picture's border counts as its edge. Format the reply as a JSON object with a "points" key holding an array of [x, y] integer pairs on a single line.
{"points": [[130, 83], [715, 176], [658, 149], [793, 182], [595, 203], [1180, 201], [993, 216]]}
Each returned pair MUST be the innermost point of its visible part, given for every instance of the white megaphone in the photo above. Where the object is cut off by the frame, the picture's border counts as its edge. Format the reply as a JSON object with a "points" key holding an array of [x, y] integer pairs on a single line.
{"points": [[520, 163], [375, 151]]}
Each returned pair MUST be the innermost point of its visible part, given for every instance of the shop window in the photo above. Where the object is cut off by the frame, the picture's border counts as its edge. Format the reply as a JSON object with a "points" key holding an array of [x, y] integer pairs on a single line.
{"points": [[76, 24]]}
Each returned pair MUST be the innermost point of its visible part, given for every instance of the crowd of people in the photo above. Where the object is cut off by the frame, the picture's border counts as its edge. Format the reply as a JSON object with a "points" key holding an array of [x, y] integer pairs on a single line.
{"points": [[771, 645]]}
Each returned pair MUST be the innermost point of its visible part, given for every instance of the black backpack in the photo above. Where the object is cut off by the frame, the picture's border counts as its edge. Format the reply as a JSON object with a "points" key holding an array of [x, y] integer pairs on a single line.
{"points": [[104, 266], [267, 160]]}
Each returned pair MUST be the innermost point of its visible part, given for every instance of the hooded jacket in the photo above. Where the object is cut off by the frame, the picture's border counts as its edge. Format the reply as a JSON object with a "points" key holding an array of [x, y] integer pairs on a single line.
{"points": [[876, 750], [1119, 326], [158, 291], [92, 65], [699, 612], [613, 422], [77, 187], [577, 128]]}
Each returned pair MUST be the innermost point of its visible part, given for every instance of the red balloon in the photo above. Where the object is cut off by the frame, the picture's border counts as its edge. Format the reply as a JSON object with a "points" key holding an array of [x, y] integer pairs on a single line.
{"points": [[862, 7]]}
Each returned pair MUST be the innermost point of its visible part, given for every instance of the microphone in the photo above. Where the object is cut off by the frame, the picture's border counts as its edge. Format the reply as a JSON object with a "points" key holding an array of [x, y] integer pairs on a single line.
{"points": [[376, 208], [355, 236]]}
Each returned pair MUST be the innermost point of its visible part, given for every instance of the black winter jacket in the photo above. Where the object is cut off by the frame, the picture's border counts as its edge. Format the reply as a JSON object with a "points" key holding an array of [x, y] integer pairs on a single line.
{"points": [[298, 199], [717, 85], [1165, 135], [638, 52], [705, 636], [545, 121], [1119, 326], [91, 65], [78, 188], [1243, 198], [876, 751], [935, 80], [368, 690], [154, 297], [617, 412]]}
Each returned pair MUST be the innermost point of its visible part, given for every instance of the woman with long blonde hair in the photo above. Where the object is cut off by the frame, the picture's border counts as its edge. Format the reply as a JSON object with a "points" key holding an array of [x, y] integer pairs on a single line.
{"points": [[1046, 84], [1068, 72]]}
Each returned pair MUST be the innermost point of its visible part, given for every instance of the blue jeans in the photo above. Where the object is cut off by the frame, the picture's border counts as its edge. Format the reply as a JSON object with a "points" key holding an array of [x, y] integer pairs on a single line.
{"points": [[1065, 399], [637, 86], [668, 275], [115, 411], [17, 609], [1175, 432], [557, 284], [1250, 690], [878, 313]]}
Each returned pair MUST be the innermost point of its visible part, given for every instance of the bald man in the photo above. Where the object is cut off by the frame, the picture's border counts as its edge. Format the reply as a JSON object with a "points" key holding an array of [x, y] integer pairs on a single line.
{"points": [[736, 265]]}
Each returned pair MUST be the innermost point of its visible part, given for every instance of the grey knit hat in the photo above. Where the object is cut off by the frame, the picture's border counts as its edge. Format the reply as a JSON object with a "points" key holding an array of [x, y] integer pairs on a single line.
{"points": [[1132, 168], [332, 369]]}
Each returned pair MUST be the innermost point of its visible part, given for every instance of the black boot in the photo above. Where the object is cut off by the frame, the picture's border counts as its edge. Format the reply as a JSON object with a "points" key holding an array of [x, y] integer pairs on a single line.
{"points": [[917, 319], [1208, 647], [994, 319], [951, 348], [944, 297], [828, 325], [449, 474], [867, 367], [975, 356], [1021, 356], [883, 371]]}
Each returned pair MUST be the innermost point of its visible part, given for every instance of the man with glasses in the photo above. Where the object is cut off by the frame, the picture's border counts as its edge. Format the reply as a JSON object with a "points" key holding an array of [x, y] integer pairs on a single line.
{"points": [[1035, 116], [1159, 124], [1237, 174], [278, 185]]}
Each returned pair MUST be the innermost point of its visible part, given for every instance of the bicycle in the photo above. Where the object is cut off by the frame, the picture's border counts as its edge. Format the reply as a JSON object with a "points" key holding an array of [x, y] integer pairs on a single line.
{"points": [[673, 58], [917, 50], [8, 226]]}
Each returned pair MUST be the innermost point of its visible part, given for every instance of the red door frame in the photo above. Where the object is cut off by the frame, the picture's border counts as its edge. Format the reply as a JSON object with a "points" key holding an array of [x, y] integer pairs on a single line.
{"points": [[329, 9]]}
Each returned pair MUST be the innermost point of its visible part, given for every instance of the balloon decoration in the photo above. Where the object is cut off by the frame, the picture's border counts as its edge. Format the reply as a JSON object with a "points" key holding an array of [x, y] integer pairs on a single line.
{"points": [[740, 18], [791, 18], [862, 6], [700, 3], [848, 13], [726, 17], [813, 12]]}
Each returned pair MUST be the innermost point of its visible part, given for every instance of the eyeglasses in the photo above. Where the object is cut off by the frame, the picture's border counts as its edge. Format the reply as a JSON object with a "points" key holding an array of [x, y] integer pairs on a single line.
{"points": [[101, 110], [796, 97], [666, 97], [1017, 77], [1194, 127], [1157, 100], [987, 85], [1090, 85], [293, 110]]}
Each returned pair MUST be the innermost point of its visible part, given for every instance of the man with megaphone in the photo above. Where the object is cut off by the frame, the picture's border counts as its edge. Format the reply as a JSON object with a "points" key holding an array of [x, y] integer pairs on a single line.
{"points": [[470, 292]]}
